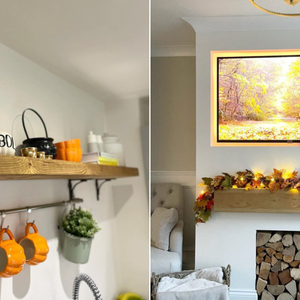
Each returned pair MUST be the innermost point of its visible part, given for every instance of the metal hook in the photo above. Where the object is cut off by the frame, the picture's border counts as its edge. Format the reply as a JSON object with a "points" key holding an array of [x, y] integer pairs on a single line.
{"points": [[29, 210], [3, 216]]}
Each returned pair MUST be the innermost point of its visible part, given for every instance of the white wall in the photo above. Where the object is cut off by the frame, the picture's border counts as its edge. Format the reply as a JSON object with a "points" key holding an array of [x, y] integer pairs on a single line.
{"points": [[127, 119], [69, 113], [223, 239]]}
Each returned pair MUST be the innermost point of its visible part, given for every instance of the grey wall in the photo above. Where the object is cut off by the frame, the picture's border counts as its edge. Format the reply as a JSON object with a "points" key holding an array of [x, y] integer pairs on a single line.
{"points": [[173, 117], [173, 114]]}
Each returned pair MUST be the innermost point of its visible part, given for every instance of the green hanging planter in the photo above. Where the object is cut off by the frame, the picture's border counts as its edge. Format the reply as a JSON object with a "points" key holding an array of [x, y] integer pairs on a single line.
{"points": [[79, 229], [76, 249]]}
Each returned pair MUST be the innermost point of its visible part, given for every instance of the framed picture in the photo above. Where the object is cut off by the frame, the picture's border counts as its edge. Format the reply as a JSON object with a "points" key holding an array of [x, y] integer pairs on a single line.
{"points": [[255, 98]]}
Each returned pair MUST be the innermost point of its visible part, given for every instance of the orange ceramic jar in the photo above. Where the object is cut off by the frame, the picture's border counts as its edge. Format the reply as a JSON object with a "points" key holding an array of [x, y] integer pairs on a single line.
{"points": [[12, 257], [35, 246], [69, 150]]}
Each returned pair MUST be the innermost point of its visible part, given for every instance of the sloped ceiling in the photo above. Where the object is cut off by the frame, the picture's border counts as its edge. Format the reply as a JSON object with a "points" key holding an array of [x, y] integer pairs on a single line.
{"points": [[101, 46]]}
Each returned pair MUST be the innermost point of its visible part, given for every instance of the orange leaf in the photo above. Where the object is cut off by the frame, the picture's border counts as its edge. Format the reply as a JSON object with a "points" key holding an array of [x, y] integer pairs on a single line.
{"points": [[274, 186], [249, 187], [277, 173]]}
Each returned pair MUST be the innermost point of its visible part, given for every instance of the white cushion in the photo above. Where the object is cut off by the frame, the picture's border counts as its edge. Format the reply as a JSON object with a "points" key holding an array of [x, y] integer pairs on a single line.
{"points": [[164, 261], [163, 221], [167, 195]]}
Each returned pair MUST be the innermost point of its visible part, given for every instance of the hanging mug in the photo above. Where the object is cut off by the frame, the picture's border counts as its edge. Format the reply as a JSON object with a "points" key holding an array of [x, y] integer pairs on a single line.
{"points": [[35, 246], [12, 257]]}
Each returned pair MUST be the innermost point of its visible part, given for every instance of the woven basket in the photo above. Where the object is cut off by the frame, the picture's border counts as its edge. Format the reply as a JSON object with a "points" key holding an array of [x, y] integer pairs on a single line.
{"points": [[155, 279]]}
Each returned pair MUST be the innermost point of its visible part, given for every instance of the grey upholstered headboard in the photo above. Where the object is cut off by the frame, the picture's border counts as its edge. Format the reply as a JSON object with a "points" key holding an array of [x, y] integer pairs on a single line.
{"points": [[167, 195]]}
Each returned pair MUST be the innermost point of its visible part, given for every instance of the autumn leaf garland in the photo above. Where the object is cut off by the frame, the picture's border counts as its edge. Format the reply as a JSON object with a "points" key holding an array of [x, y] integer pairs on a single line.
{"points": [[278, 180]]}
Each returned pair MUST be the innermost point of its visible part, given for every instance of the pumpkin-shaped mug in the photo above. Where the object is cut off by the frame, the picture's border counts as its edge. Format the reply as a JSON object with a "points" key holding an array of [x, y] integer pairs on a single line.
{"points": [[35, 246], [12, 257]]}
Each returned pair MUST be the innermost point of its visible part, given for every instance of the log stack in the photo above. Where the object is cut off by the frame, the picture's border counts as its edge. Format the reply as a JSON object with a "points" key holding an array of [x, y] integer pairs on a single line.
{"points": [[278, 265]]}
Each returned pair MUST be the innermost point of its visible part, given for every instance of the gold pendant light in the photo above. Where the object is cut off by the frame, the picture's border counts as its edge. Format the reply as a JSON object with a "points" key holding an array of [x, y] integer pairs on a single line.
{"points": [[286, 8], [291, 2]]}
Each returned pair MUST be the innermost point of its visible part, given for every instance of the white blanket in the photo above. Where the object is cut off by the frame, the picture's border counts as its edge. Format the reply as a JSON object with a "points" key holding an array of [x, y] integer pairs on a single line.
{"points": [[205, 284], [213, 293]]}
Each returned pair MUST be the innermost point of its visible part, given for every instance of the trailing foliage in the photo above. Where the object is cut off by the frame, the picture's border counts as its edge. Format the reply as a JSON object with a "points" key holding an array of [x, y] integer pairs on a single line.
{"points": [[80, 223], [278, 180]]}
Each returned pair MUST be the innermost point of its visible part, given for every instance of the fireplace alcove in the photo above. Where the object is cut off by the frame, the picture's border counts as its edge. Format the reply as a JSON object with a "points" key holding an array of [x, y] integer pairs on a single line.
{"points": [[238, 215], [277, 265], [277, 252]]}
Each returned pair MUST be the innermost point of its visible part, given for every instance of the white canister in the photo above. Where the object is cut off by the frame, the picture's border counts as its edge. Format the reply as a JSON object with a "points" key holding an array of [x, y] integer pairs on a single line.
{"points": [[100, 143], [7, 144], [92, 142], [113, 146]]}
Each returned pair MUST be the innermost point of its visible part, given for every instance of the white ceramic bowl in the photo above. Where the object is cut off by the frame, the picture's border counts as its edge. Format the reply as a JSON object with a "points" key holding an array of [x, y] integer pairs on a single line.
{"points": [[7, 144]]}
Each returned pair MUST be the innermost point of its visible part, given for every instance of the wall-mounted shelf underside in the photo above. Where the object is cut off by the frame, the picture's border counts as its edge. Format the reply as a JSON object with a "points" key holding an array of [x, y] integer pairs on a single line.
{"points": [[257, 201], [23, 168]]}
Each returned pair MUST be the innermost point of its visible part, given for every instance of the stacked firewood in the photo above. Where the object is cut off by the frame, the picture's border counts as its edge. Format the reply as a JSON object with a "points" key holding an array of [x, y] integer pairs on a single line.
{"points": [[277, 266]]}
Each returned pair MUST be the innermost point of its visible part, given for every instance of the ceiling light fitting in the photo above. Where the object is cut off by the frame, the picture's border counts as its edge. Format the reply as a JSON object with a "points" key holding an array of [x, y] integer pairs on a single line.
{"points": [[285, 8]]}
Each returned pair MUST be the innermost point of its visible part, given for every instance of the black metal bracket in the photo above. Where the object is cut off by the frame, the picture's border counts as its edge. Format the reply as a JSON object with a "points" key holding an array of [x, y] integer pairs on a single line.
{"points": [[99, 185], [72, 187]]}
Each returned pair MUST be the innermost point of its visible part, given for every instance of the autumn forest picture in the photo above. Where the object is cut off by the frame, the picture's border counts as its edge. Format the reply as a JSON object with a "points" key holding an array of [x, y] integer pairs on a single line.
{"points": [[259, 99]]}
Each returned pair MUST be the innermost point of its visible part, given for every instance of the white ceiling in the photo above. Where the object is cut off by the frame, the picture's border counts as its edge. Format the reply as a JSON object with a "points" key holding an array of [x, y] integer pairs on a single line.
{"points": [[101, 46], [169, 29]]}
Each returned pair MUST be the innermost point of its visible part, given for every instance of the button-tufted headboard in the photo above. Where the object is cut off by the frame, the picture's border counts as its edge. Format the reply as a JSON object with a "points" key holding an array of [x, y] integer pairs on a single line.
{"points": [[167, 195]]}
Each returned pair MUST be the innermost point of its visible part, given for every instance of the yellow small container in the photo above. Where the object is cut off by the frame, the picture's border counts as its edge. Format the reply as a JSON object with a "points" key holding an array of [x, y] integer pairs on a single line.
{"points": [[130, 296]]}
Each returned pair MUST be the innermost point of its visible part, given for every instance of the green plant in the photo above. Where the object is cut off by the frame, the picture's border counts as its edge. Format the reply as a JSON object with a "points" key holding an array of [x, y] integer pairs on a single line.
{"points": [[80, 223]]}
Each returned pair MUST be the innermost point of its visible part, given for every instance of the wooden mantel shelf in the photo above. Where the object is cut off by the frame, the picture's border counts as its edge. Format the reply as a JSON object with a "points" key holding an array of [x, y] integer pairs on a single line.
{"points": [[257, 201], [23, 168]]}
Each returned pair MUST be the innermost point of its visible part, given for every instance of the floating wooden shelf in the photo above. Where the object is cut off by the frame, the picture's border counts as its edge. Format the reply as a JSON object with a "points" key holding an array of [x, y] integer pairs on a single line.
{"points": [[23, 168], [257, 201]]}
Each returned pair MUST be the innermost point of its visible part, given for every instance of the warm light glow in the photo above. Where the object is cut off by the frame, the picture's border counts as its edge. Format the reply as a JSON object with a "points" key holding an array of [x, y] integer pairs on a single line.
{"points": [[214, 76], [272, 179], [242, 178]]}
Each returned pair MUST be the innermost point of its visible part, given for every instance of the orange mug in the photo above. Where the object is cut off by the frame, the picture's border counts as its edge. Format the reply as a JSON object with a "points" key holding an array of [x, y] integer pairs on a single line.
{"points": [[12, 257], [35, 246]]}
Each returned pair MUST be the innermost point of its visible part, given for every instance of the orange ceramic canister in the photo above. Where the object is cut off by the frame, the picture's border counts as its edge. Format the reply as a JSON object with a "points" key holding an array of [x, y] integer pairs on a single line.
{"points": [[12, 257], [69, 150], [35, 246]]}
